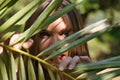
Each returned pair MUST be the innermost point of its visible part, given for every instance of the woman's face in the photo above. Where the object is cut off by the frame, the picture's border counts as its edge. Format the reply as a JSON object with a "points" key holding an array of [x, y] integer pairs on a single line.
{"points": [[56, 31]]}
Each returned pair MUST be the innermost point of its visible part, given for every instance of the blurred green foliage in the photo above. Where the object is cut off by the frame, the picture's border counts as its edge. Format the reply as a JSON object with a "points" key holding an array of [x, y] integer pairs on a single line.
{"points": [[88, 5], [103, 46], [106, 44]]}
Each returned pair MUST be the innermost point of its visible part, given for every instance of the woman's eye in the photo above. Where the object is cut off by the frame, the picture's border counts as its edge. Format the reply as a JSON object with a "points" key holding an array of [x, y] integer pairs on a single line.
{"points": [[44, 34], [64, 33]]}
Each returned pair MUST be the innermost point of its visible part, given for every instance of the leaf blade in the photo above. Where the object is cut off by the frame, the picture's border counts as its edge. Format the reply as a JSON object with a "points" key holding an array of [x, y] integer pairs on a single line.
{"points": [[21, 69], [31, 72]]}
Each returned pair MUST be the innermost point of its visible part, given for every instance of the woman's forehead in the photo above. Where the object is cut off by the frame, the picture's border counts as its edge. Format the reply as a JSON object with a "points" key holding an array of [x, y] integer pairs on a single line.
{"points": [[57, 25]]}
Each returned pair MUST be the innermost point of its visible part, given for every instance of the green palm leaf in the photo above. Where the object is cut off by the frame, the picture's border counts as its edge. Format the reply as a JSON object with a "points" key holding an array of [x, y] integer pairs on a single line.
{"points": [[70, 38], [14, 19], [40, 72], [7, 3], [108, 75], [80, 41], [38, 27], [27, 34], [51, 74], [3, 71], [11, 67], [31, 73], [58, 77], [8, 70], [21, 69]]}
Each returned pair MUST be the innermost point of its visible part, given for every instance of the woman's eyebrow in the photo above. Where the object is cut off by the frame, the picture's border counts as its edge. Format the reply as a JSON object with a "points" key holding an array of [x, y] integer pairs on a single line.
{"points": [[57, 24], [44, 30]]}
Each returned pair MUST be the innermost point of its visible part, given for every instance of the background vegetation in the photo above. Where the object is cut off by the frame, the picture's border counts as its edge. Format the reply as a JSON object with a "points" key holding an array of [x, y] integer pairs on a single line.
{"points": [[92, 11], [95, 10]]}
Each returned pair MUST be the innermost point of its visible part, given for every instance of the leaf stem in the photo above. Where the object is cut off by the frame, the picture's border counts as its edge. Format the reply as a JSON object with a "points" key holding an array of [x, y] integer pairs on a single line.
{"points": [[38, 59]]}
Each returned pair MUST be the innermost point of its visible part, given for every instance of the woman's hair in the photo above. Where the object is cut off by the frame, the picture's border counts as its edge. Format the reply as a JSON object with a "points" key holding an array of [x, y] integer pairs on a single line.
{"points": [[73, 18]]}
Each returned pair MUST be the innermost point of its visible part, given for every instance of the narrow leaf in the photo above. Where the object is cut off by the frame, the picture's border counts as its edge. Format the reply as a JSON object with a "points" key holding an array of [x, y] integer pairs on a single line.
{"points": [[6, 6], [11, 67], [2, 12], [9, 32], [40, 72], [80, 68], [38, 59], [58, 77], [6, 36], [51, 74], [42, 17], [21, 69], [27, 34], [14, 19], [87, 74], [55, 16], [31, 72], [4, 3], [71, 38], [7, 3], [80, 41], [3, 72], [49, 20], [108, 75]]}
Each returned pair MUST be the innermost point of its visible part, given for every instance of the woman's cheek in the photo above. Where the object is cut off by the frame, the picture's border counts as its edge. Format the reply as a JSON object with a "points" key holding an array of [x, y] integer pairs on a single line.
{"points": [[44, 44]]}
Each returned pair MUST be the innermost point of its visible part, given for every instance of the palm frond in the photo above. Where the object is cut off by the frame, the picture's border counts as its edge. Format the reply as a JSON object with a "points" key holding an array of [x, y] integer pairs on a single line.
{"points": [[70, 38], [14, 19], [11, 71], [31, 72], [3, 71], [21, 69], [80, 41], [40, 72]]}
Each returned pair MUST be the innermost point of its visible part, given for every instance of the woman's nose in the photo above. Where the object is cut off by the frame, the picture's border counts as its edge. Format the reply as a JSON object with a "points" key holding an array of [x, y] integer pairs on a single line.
{"points": [[57, 38]]}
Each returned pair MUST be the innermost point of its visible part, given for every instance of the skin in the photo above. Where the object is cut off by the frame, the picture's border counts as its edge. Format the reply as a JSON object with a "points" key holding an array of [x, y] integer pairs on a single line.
{"points": [[56, 31]]}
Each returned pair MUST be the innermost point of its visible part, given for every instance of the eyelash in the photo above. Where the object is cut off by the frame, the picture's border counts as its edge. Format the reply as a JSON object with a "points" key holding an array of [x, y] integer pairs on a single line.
{"points": [[44, 34], [64, 33]]}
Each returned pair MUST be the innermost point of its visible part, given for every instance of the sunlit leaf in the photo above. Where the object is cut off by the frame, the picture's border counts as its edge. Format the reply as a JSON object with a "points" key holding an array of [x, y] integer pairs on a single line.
{"points": [[14, 19], [4, 3], [11, 31], [80, 41], [51, 74], [48, 21], [70, 38], [80, 68], [21, 69], [40, 72], [89, 73], [3, 72], [38, 59], [11, 67], [27, 34], [58, 77], [31, 72], [108, 75]]}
